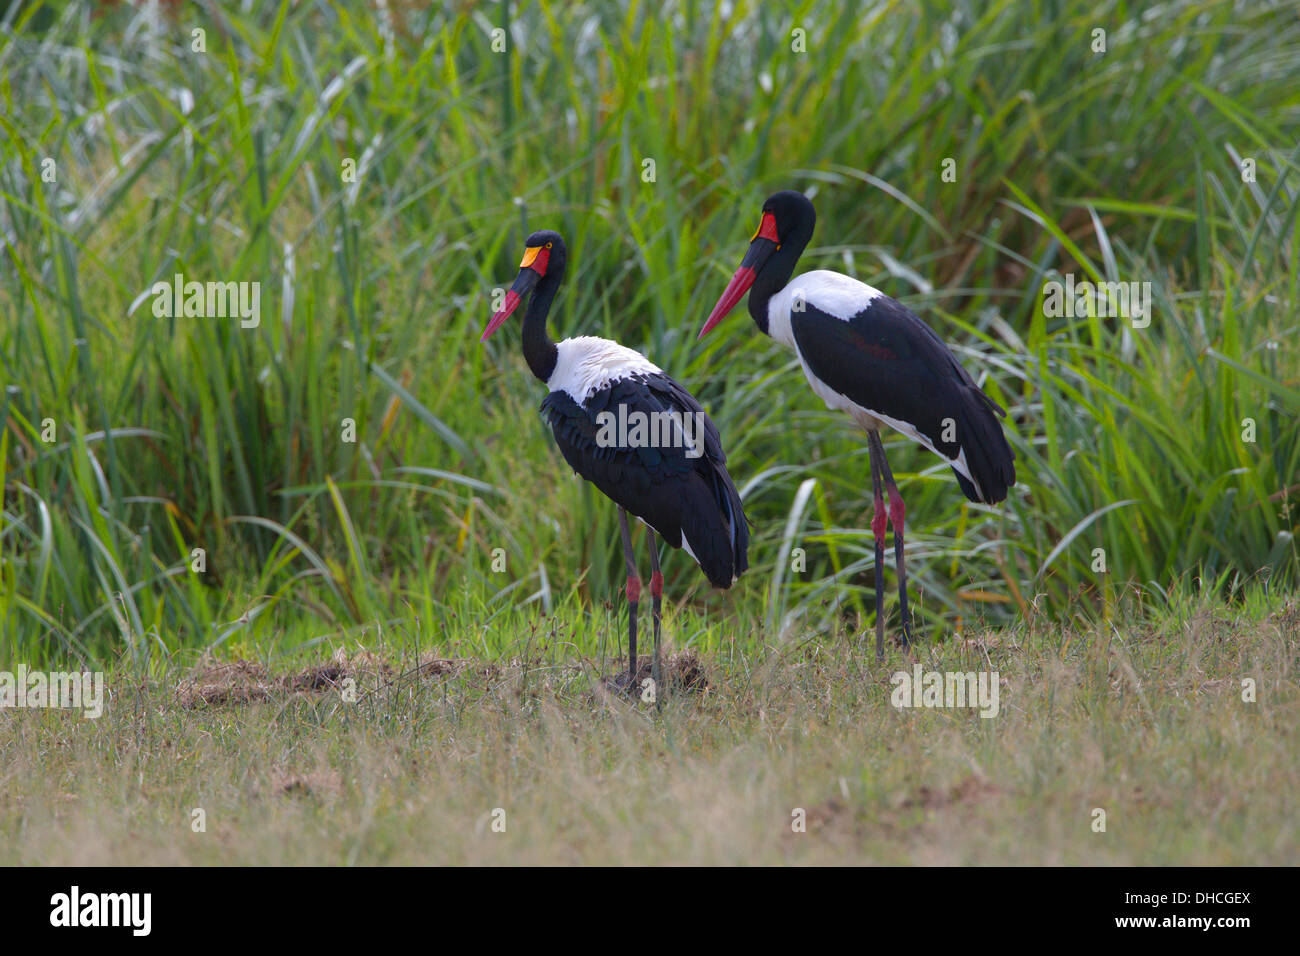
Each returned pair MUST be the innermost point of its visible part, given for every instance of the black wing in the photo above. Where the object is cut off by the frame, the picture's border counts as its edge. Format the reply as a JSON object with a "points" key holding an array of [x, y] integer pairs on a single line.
{"points": [[890, 362], [676, 494]]}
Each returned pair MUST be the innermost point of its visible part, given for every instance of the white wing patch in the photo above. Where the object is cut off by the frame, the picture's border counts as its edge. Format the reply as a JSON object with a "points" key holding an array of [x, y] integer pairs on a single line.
{"points": [[843, 297], [686, 545], [586, 364], [870, 419]]}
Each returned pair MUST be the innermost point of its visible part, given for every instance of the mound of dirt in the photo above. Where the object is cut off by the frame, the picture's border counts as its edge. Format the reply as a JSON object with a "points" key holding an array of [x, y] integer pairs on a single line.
{"points": [[971, 789], [682, 673], [243, 682]]}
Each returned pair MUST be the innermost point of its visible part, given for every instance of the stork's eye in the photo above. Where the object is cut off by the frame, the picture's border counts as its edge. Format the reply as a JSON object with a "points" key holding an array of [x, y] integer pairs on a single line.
{"points": [[548, 245]]}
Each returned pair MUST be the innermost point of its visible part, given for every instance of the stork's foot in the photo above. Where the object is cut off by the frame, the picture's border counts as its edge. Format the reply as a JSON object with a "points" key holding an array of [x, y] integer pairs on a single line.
{"points": [[903, 640], [907, 644], [621, 683], [633, 686], [681, 674]]}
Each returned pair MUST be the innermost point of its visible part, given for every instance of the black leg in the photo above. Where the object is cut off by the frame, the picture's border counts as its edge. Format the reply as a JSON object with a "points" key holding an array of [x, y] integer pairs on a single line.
{"points": [[633, 595], [878, 531], [656, 601], [896, 516]]}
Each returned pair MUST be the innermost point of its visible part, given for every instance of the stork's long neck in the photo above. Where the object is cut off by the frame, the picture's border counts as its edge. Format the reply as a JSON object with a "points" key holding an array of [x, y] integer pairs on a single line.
{"points": [[775, 274], [539, 351]]}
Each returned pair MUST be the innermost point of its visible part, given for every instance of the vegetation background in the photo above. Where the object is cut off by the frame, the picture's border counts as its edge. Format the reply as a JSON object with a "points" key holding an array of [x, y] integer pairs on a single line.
{"points": [[1105, 140]]}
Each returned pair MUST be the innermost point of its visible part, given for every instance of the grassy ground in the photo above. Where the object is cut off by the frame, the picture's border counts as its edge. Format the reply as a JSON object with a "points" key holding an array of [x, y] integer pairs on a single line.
{"points": [[1145, 722]]}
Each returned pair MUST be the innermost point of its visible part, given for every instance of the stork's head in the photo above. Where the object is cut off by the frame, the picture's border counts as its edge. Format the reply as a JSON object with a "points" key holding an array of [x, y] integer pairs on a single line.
{"points": [[544, 258], [788, 219]]}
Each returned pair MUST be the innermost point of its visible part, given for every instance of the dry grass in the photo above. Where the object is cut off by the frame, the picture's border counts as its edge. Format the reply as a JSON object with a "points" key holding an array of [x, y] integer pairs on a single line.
{"points": [[1150, 726]]}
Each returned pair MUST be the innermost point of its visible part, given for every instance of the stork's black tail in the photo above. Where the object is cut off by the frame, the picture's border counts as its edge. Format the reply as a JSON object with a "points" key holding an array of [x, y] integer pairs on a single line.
{"points": [[989, 458], [715, 526]]}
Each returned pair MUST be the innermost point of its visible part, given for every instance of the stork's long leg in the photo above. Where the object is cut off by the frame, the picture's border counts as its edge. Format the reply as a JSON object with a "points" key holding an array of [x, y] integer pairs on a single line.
{"points": [[656, 600], [633, 595], [896, 518], [878, 532]]}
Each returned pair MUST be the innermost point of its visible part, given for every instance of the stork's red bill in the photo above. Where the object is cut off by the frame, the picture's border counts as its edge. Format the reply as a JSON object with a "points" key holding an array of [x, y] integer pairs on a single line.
{"points": [[531, 270]]}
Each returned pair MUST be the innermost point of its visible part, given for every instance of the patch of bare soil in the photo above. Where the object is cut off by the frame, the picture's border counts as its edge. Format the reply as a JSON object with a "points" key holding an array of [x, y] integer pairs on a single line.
{"points": [[970, 790], [833, 820], [321, 677], [240, 682], [832, 812], [245, 682], [319, 783], [438, 667]]}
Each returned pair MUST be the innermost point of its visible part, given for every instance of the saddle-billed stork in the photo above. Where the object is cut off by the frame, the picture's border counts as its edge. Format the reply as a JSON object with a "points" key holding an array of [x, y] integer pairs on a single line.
{"points": [[869, 355], [673, 478]]}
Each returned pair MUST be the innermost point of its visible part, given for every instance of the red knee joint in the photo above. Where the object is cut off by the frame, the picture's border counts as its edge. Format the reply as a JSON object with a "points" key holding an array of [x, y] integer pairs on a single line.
{"points": [[656, 584], [896, 510], [633, 588], [878, 520]]}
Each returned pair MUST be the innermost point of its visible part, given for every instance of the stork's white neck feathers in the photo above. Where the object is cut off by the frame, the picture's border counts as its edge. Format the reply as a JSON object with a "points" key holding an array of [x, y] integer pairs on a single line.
{"points": [[586, 364], [832, 292]]}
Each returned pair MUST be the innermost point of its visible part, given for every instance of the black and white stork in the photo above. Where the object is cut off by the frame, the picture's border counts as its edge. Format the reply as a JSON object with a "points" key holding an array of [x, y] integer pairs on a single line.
{"points": [[671, 472], [869, 355]]}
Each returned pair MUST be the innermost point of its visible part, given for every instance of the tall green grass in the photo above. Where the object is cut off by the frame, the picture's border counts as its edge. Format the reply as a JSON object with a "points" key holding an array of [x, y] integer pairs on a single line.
{"points": [[176, 434]]}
